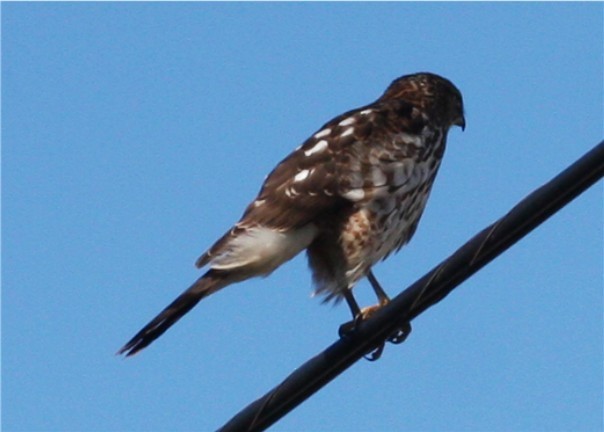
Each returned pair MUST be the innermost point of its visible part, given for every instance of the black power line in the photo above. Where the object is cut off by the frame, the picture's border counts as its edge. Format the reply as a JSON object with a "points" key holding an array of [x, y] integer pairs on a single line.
{"points": [[425, 292]]}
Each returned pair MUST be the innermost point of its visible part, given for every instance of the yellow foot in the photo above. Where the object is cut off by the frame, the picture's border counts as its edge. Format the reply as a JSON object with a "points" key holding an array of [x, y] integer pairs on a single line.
{"points": [[366, 312], [348, 328]]}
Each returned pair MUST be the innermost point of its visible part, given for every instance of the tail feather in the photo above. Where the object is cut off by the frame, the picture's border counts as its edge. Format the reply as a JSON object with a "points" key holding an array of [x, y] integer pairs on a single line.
{"points": [[204, 286]]}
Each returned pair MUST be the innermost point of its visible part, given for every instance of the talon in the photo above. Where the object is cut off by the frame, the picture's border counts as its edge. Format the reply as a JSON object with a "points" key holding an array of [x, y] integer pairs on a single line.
{"points": [[375, 354], [400, 335], [349, 327]]}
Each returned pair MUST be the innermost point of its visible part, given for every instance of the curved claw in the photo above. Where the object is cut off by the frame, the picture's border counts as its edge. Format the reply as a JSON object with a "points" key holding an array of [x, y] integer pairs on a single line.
{"points": [[349, 327], [400, 335], [375, 354]]}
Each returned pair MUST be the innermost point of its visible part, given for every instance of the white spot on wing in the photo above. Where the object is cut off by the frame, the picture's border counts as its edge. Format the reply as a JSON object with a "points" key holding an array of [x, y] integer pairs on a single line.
{"points": [[302, 175], [354, 194], [290, 192], [318, 147], [366, 112], [323, 133], [347, 132], [347, 122]]}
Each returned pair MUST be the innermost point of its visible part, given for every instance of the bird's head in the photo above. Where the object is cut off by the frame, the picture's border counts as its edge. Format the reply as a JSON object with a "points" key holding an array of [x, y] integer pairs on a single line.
{"points": [[434, 95]]}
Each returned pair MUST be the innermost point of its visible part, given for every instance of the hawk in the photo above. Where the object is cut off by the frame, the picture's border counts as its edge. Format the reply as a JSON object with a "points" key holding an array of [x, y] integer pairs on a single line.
{"points": [[350, 195]]}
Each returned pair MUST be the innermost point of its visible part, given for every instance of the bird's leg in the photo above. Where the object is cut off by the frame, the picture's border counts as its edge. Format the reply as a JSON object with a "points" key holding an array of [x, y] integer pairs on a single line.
{"points": [[352, 304], [403, 332], [359, 314], [348, 327], [379, 291], [383, 298]]}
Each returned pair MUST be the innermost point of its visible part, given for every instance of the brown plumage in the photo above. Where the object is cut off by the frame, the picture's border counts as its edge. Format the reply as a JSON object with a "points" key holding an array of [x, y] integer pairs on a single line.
{"points": [[350, 195]]}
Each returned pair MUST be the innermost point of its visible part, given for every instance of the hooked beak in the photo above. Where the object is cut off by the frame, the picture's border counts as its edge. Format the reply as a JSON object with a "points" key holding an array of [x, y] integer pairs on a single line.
{"points": [[461, 122]]}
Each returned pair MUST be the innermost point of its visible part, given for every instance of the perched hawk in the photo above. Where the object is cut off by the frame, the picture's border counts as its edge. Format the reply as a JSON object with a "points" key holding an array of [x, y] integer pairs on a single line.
{"points": [[350, 195]]}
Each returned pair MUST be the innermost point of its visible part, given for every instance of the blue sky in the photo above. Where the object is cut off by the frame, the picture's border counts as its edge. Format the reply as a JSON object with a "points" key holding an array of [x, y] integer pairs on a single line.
{"points": [[133, 136]]}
